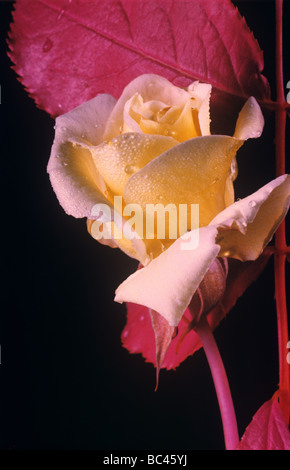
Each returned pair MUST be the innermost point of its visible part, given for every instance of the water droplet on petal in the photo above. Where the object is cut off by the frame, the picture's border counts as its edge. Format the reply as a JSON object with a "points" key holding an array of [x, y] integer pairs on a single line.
{"points": [[129, 169], [47, 45], [216, 180], [252, 203]]}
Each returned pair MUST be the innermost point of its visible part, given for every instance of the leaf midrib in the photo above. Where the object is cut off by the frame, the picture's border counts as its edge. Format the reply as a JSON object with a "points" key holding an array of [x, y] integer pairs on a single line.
{"points": [[175, 68]]}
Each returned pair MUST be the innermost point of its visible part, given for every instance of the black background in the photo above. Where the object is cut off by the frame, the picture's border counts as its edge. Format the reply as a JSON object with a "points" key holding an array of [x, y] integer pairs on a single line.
{"points": [[66, 381]]}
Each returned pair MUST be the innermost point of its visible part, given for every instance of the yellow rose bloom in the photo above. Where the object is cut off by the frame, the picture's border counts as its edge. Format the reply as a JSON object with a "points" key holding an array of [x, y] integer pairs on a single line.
{"points": [[153, 146]]}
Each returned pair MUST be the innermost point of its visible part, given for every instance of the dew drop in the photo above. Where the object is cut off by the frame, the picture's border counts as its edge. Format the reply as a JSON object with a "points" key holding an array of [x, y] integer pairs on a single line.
{"points": [[125, 333], [142, 318], [252, 203], [60, 14], [96, 125], [129, 169], [216, 180], [227, 253], [47, 45]]}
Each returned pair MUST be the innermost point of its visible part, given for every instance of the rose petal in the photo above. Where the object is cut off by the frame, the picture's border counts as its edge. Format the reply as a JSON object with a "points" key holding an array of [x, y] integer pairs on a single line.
{"points": [[149, 86], [193, 172], [110, 231], [76, 181], [250, 122], [135, 247], [138, 337], [73, 175], [180, 123], [169, 281], [134, 110], [247, 226], [118, 159], [201, 93]]}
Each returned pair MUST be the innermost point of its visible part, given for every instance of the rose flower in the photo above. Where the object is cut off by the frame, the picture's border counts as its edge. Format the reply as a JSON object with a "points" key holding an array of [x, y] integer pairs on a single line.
{"points": [[153, 146]]}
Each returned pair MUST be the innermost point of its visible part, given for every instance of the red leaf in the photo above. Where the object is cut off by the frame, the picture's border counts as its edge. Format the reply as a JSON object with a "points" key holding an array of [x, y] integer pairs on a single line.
{"points": [[68, 51], [267, 430], [138, 335]]}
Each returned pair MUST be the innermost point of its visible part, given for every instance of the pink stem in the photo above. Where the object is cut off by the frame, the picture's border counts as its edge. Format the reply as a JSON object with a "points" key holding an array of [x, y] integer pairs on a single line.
{"points": [[280, 238], [220, 380]]}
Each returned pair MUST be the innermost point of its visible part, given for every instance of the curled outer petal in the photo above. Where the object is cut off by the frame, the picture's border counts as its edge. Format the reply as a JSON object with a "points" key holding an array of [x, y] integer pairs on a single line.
{"points": [[167, 284], [248, 225], [74, 177], [241, 231]]}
